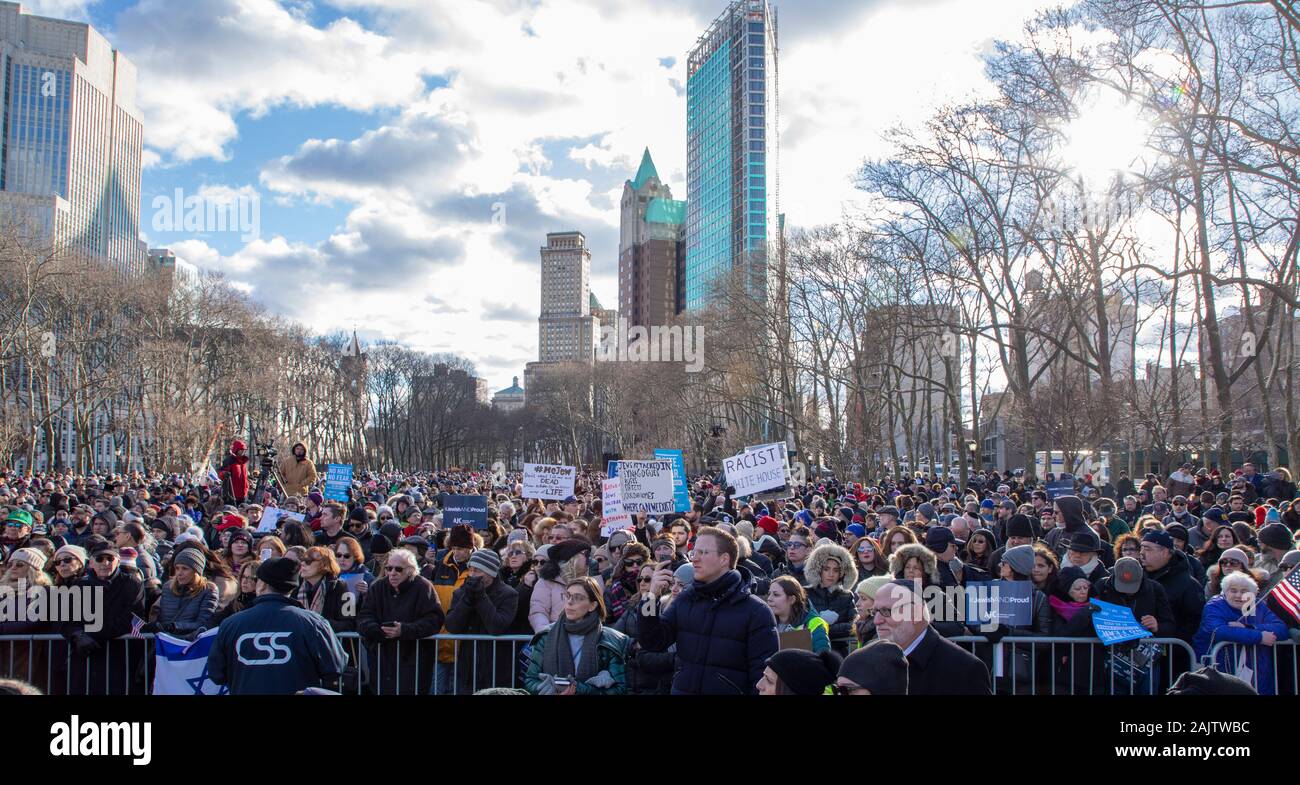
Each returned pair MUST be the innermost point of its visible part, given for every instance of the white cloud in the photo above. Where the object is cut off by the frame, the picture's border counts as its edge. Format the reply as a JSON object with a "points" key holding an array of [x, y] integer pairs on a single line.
{"points": [[541, 110]]}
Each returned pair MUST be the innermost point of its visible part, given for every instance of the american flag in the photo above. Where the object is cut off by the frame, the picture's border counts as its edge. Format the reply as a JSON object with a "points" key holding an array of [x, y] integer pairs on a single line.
{"points": [[136, 624], [1284, 599]]}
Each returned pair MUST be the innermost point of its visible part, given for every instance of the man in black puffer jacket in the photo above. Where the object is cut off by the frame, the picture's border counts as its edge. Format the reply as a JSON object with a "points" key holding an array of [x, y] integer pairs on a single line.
{"points": [[1168, 567], [724, 635]]}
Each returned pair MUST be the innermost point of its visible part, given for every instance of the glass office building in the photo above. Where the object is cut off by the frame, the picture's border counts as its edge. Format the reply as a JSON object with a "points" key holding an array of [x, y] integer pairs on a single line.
{"points": [[71, 138], [732, 152]]}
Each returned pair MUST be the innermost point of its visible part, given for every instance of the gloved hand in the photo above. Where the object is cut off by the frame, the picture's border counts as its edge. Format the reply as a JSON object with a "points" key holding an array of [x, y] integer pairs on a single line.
{"points": [[547, 686], [830, 617], [602, 680], [167, 627], [149, 627]]}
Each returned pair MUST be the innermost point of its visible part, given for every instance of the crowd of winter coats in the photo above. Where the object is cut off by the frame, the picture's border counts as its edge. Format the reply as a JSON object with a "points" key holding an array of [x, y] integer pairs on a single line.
{"points": [[1193, 555]]}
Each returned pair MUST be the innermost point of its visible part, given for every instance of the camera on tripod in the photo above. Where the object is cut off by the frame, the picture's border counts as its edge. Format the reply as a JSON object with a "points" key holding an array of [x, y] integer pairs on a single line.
{"points": [[266, 453]]}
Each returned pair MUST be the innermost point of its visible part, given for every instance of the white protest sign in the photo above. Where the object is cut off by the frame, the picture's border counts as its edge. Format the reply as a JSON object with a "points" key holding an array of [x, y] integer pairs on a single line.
{"points": [[613, 517], [647, 486], [547, 481], [272, 515], [757, 469]]}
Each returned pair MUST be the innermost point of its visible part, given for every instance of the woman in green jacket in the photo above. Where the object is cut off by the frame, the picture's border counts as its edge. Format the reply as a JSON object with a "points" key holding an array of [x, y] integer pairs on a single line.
{"points": [[578, 655], [789, 603]]}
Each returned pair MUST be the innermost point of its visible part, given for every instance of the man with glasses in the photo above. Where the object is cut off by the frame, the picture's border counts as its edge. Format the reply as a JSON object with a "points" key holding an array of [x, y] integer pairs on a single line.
{"points": [[1180, 514], [275, 646], [17, 531], [724, 634], [397, 613], [936, 666], [97, 665], [483, 605], [797, 550]]}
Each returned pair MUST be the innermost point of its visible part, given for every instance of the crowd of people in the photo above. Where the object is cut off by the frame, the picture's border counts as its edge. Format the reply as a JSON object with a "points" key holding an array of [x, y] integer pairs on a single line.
{"points": [[821, 588]]}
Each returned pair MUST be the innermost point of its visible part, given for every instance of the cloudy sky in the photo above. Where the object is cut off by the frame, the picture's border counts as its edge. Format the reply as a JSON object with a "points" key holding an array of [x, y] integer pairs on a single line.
{"points": [[409, 156]]}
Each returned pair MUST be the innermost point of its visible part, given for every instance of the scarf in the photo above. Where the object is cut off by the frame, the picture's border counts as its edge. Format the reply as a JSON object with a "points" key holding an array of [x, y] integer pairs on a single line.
{"points": [[557, 659], [1066, 608], [313, 600], [1090, 566]]}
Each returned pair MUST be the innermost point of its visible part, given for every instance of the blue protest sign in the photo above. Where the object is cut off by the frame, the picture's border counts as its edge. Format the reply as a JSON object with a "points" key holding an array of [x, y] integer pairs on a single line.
{"points": [[338, 481], [1116, 624], [681, 498], [1059, 488], [465, 509], [1010, 603]]}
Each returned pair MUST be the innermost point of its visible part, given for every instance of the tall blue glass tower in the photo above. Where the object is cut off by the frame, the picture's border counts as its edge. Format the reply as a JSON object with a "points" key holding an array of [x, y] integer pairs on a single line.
{"points": [[732, 153]]}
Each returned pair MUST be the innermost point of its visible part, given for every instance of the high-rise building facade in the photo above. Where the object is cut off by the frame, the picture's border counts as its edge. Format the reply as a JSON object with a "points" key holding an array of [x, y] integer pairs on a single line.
{"points": [[567, 332], [732, 153], [72, 139], [651, 249]]}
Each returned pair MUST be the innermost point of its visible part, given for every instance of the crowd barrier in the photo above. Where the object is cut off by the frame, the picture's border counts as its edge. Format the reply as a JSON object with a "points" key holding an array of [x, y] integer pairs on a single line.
{"points": [[439, 665], [1283, 659]]}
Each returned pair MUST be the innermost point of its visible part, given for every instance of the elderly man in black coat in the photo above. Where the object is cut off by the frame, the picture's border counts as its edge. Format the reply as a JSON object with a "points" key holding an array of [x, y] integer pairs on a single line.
{"points": [[936, 665]]}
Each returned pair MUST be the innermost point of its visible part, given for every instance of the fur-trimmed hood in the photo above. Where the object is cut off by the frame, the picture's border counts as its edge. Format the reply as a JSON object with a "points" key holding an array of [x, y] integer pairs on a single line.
{"points": [[824, 551], [928, 559]]}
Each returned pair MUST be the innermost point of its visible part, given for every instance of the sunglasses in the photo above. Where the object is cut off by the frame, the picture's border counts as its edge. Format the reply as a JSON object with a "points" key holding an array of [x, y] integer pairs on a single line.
{"points": [[645, 579], [577, 598], [633, 562], [343, 555], [105, 558], [391, 568], [65, 560]]}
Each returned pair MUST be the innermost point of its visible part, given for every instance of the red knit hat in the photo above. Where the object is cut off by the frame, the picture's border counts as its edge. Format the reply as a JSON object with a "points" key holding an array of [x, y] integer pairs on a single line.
{"points": [[230, 521], [1261, 515], [769, 524]]}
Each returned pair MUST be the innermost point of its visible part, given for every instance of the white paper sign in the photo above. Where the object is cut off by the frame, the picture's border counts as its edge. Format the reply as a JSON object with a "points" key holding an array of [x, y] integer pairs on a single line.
{"points": [[613, 516], [548, 481], [272, 515], [757, 469], [647, 486]]}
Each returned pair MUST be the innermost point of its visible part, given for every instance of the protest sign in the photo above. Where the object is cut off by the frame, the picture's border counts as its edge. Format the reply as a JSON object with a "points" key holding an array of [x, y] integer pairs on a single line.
{"points": [[548, 481], [1059, 488], [1004, 603], [613, 516], [465, 509], [338, 481], [681, 497], [761, 469], [1116, 624], [272, 516], [647, 485]]}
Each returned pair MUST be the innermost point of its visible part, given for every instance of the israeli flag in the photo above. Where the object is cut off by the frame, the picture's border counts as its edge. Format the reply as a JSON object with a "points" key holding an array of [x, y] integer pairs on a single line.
{"points": [[182, 666]]}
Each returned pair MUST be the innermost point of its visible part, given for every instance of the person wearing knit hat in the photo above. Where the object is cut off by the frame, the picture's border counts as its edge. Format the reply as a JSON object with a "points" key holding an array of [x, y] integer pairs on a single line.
{"points": [[482, 605], [879, 668], [799, 672], [1021, 560], [485, 561], [69, 562], [864, 595], [32, 557], [1275, 539], [461, 536], [745, 529], [280, 575], [189, 601], [769, 525]]}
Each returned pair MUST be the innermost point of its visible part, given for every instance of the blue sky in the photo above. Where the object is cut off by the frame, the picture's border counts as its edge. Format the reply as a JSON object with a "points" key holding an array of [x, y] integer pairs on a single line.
{"points": [[384, 139]]}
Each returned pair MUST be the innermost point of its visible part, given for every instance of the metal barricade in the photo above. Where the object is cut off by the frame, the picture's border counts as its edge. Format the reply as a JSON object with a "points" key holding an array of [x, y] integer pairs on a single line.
{"points": [[1283, 658], [121, 666], [416, 667], [1032, 665]]}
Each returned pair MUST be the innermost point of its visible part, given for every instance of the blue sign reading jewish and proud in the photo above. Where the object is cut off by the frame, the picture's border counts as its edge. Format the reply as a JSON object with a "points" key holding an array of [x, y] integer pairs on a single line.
{"points": [[1004, 603], [681, 498], [1116, 624], [465, 509], [338, 481]]}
